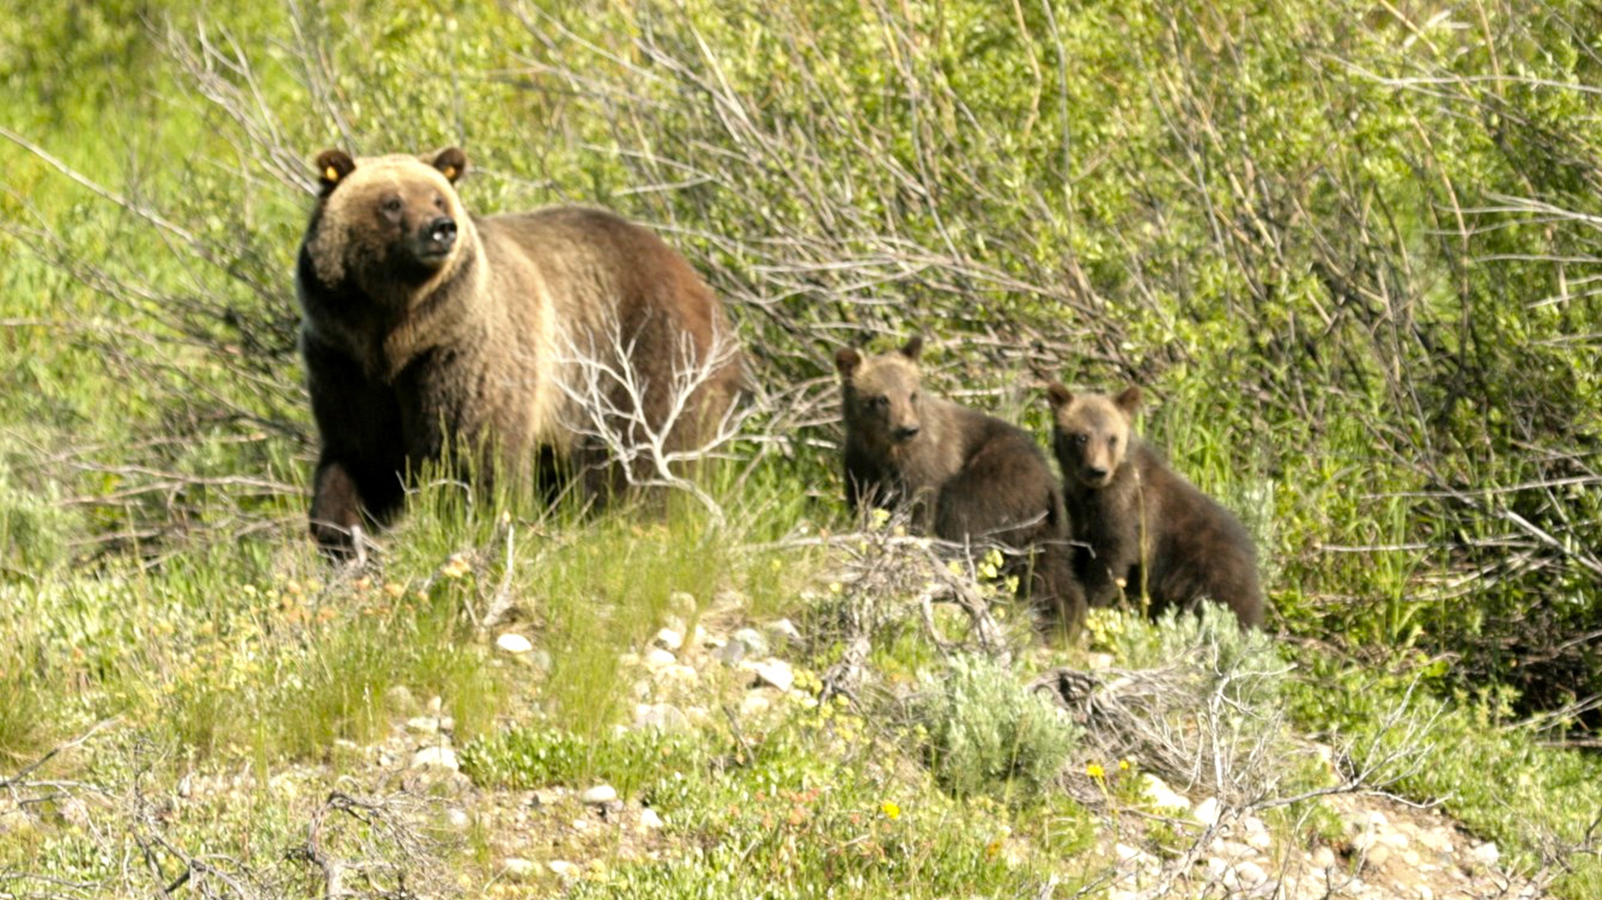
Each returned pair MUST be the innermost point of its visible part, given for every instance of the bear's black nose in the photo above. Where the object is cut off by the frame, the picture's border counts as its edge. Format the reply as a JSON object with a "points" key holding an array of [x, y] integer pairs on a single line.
{"points": [[1095, 473], [442, 232], [905, 432]]}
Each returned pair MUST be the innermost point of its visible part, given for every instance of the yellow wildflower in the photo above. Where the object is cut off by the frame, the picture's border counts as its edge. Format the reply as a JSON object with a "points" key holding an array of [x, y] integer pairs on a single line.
{"points": [[1094, 770], [891, 810]]}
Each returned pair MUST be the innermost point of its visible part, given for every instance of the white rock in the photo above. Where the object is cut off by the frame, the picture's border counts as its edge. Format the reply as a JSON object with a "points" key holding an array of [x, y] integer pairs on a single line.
{"points": [[1253, 825], [776, 672], [1100, 661], [649, 819], [435, 704], [669, 639], [1411, 858], [1485, 854], [423, 724], [1365, 842], [600, 795], [444, 757], [514, 643], [729, 653], [754, 642], [679, 674], [1436, 839], [1259, 840], [1424, 892], [1395, 840], [517, 869], [562, 868], [456, 818], [659, 659], [1206, 812], [1161, 795], [681, 603], [1250, 874], [1126, 852], [1378, 855], [754, 704], [660, 716], [783, 630], [1323, 858]]}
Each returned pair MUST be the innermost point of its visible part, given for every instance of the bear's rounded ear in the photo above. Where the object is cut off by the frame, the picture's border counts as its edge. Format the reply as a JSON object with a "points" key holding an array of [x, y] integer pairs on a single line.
{"points": [[913, 347], [1129, 400], [846, 361], [451, 162], [1058, 395], [332, 167]]}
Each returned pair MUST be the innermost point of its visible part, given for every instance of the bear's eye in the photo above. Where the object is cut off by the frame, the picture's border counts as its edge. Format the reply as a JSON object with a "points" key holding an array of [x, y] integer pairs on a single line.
{"points": [[914, 397], [1112, 441], [879, 402], [439, 203], [1080, 438], [392, 205]]}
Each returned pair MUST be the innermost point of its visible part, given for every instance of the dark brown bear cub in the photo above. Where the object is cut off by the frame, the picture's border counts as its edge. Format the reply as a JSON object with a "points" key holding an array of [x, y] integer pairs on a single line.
{"points": [[1148, 531], [525, 339], [964, 476]]}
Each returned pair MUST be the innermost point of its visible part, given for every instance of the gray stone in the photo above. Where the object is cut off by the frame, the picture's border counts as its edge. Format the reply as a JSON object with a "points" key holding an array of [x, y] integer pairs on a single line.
{"points": [[1161, 795], [1206, 812], [669, 639], [755, 643], [660, 716], [1250, 874], [783, 631], [1485, 854], [775, 672], [600, 795], [1323, 858], [517, 869], [562, 868], [443, 757], [513, 643], [649, 820], [659, 659], [731, 653]]}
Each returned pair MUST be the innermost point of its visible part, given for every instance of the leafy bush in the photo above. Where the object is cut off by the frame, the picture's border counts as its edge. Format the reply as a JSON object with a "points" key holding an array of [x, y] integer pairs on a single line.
{"points": [[986, 735]]}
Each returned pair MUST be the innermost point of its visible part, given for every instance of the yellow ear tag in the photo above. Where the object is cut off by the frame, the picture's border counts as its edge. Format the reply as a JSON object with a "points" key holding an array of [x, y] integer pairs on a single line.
{"points": [[330, 174], [450, 173]]}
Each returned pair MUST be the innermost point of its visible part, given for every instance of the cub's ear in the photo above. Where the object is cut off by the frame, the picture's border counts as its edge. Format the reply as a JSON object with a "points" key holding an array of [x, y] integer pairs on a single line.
{"points": [[1129, 400], [913, 347], [846, 361], [332, 167], [451, 162], [1058, 395]]}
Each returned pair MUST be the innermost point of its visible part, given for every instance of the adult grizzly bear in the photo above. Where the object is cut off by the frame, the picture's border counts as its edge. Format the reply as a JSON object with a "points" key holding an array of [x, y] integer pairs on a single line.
{"points": [[963, 476], [428, 331], [1146, 528]]}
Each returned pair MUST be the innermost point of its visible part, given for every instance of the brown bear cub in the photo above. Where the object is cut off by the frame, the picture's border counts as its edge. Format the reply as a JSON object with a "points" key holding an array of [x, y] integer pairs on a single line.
{"points": [[427, 331], [1141, 526], [962, 475]]}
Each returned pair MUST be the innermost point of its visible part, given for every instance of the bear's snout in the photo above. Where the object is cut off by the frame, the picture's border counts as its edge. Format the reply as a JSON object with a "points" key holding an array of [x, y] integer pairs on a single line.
{"points": [[436, 238], [904, 433]]}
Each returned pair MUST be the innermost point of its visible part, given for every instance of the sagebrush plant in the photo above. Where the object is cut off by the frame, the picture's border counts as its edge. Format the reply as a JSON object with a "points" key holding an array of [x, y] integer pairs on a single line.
{"points": [[983, 733]]}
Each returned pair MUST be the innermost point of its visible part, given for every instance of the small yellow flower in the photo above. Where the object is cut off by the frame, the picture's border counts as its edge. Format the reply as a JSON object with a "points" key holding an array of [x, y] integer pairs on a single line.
{"points": [[1094, 770], [891, 810], [1123, 765]]}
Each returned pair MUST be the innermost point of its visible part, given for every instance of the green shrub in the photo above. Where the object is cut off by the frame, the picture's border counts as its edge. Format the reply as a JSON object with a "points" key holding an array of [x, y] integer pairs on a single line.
{"points": [[985, 734]]}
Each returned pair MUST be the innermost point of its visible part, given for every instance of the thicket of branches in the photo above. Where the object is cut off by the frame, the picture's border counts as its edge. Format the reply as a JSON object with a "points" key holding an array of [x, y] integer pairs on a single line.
{"points": [[1356, 241]]}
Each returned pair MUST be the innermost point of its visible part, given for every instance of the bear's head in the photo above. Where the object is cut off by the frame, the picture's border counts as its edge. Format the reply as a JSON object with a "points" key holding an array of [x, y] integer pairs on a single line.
{"points": [[391, 223], [1091, 433], [882, 403]]}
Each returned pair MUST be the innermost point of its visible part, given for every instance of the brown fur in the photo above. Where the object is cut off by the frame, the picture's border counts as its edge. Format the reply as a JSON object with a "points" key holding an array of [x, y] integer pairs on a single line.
{"points": [[417, 346], [1147, 528], [964, 476]]}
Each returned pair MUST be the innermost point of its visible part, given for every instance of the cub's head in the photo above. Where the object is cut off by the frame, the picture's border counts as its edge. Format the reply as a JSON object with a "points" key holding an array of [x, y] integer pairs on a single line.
{"points": [[882, 402], [390, 222], [1091, 433]]}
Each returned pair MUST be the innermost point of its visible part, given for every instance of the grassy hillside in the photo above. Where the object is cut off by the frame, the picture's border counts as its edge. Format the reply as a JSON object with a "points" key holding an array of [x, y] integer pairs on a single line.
{"points": [[1348, 250]]}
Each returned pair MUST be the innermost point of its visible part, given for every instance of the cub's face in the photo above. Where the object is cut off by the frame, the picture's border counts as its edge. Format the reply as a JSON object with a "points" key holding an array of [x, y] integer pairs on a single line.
{"points": [[1090, 433], [396, 219], [882, 400]]}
